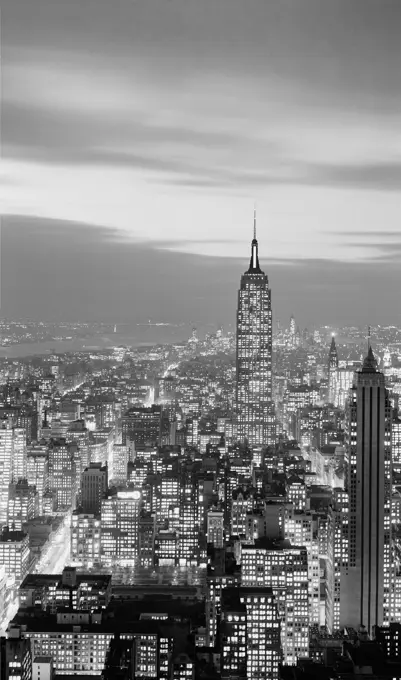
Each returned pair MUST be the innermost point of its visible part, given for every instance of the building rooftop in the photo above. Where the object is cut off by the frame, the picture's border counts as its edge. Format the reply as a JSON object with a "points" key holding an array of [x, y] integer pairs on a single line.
{"points": [[41, 580], [12, 536]]}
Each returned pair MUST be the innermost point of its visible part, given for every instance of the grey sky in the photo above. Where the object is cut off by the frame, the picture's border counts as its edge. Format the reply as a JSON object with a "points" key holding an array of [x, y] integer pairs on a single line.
{"points": [[54, 270], [161, 121]]}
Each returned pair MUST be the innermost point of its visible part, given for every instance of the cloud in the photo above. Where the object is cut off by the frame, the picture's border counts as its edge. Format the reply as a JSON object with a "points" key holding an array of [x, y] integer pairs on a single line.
{"points": [[99, 278], [200, 157], [166, 120], [379, 176], [344, 47], [378, 234]]}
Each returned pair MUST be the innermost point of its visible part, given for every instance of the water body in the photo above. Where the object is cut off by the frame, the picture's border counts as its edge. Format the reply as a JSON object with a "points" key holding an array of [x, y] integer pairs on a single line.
{"points": [[135, 336]]}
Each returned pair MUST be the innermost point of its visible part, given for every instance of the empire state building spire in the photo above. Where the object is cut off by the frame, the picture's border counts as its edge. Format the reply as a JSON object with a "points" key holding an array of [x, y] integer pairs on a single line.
{"points": [[254, 263]]}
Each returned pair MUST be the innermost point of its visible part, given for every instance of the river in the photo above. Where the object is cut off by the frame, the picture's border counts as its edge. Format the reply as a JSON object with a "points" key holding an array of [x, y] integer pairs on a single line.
{"points": [[137, 336]]}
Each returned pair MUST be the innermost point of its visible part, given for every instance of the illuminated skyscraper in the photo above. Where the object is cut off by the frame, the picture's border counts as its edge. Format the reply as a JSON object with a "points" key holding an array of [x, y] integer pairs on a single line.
{"points": [[120, 527], [396, 444], [6, 467], [23, 504], [337, 556], [215, 527], [333, 369], [365, 583], [254, 401], [38, 471], [143, 426], [284, 568], [250, 634], [62, 473]]}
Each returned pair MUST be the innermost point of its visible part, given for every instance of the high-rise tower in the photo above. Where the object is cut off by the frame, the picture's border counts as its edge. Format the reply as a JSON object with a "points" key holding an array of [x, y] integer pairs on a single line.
{"points": [[333, 371], [254, 403], [365, 580]]}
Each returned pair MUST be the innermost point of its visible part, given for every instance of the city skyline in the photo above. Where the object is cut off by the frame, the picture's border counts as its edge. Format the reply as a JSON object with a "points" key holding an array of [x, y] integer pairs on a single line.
{"points": [[196, 109], [200, 340]]}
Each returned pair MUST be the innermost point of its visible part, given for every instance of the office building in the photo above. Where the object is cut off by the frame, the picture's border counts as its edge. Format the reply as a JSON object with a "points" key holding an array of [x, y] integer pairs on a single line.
{"points": [[62, 473], [142, 426], [215, 527], [78, 433], [332, 372], [147, 534], [120, 527], [23, 504], [188, 528], [85, 539], [17, 658], [337, 557], [396, 444], [94, 483], [254, 400], [76, 645], [166, 548], [284, 569], [14, 554], [345, 379], [38, 471], [67, 590], [6, 468], [250, 634], [233, 638], [242, 503], [119, 465], [19, 459], [365, 582], [222, 572], [302, 528]]}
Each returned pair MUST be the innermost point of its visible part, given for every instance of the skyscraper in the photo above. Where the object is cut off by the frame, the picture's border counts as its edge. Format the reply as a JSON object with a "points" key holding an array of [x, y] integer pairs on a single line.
{"points": [[143, 426], [93, 488], [6, 467], [120, 527], [254, 401], [365, 583], [283, 568], [333, 369], [250, 634]]}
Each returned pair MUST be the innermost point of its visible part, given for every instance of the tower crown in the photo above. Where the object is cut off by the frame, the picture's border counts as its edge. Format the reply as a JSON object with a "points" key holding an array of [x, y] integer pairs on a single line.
{"points": [[333, 355], [370, 363], [254, 263]]}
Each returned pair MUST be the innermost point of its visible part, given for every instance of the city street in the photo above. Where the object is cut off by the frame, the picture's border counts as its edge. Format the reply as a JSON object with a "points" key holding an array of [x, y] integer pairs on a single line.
{"points": [[53, 561]]}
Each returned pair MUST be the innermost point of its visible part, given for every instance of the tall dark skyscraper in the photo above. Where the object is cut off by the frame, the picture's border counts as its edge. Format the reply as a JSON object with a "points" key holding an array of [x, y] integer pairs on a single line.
{"points": [[365, 584], [254, 402]]}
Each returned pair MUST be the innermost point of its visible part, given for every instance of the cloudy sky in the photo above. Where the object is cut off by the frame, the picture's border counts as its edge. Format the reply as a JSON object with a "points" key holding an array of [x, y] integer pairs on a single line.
{"points": [[137, 134]]}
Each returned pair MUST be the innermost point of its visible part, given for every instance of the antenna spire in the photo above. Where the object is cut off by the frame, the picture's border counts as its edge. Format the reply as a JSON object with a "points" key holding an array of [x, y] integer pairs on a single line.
{"points": [[368, 338], [254, 265]]}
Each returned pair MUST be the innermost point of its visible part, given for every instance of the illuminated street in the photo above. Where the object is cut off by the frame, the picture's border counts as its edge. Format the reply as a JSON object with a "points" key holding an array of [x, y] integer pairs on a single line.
{"points": [[53, 561], [57, 555]]}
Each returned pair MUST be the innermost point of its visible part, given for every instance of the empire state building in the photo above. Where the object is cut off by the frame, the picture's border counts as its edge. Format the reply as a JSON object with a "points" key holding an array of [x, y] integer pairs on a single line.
{"points": [[254, 403]]}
